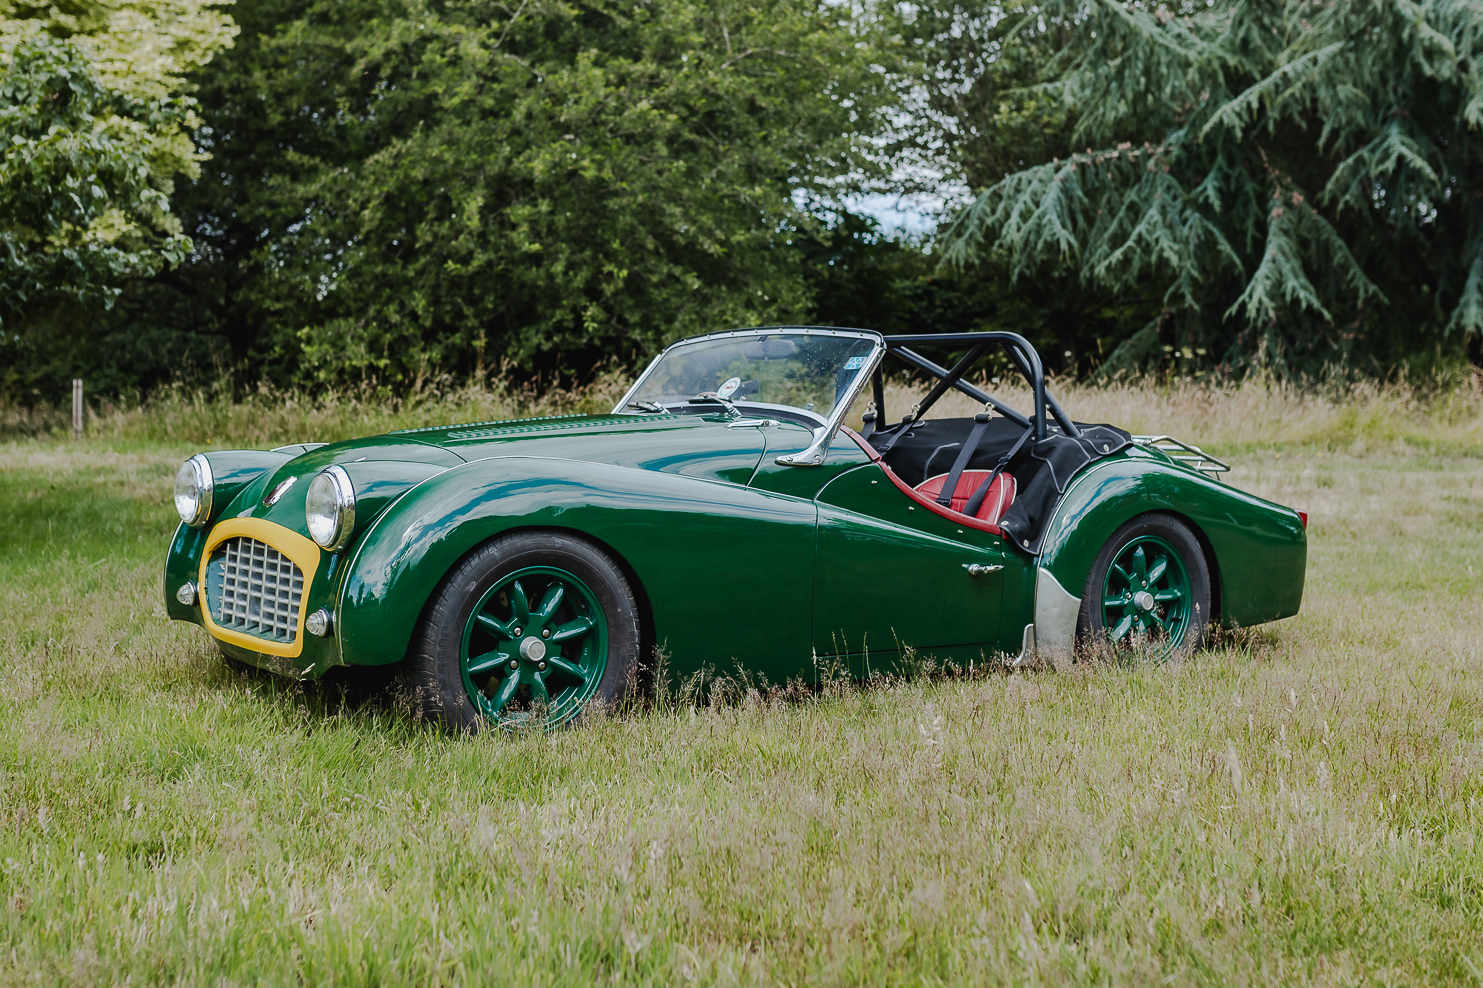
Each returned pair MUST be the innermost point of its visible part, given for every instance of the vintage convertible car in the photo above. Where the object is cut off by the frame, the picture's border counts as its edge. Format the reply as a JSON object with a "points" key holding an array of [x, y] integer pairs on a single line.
{"points": [[723, 514]]}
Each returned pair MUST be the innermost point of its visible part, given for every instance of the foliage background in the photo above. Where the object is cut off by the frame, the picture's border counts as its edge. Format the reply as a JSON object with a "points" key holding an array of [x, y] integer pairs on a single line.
{"points": [[384, 195], [94, 130]]}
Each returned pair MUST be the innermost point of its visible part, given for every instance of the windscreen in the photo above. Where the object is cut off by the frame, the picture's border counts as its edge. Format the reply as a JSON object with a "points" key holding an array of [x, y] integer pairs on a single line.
{"points": [[806, 371]]}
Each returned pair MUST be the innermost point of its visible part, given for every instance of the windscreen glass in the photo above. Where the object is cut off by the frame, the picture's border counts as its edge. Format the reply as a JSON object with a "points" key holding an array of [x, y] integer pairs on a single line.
{"points": [[808, 372]]}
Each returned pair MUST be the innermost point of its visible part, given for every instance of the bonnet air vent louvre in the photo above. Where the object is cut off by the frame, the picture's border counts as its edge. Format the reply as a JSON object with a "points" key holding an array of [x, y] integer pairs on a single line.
{"points": [[561, 424], [483, 427], [254, 589]]}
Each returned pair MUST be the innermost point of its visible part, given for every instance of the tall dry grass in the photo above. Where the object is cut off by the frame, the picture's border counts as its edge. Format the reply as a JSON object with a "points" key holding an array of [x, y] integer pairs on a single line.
{"points": [[269, 417], [1252, 414], [1224, 417]]}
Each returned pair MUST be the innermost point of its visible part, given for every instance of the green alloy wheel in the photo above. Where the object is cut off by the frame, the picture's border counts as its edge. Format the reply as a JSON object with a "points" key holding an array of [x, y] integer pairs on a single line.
{"points": [[1149, 588], [528, 631], [520, 660], [1146, 593]]}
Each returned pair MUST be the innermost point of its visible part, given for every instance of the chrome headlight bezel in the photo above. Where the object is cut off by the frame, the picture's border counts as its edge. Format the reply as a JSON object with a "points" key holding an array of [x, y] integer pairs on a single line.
{"points": [[194, 485], [329, 508]]}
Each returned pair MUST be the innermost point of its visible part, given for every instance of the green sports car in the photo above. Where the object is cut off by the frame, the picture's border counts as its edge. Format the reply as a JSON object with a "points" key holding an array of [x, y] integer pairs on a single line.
{"points": [[724, 515]]}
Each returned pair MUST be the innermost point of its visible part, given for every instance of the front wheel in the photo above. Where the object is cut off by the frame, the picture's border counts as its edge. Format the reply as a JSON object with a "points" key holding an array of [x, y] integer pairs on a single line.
{"points": [[1149, 588], [530, 630]]}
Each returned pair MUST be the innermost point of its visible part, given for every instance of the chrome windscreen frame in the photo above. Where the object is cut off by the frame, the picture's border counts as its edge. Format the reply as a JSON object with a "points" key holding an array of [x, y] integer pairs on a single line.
{"points": [[825, 434]]}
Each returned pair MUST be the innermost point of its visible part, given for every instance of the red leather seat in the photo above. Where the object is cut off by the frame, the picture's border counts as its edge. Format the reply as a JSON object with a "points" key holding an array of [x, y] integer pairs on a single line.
{"points": [[996, 502]]}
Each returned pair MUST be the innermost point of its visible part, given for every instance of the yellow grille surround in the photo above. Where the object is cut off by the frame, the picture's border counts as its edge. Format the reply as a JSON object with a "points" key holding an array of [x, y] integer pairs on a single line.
{"points": [[302, 552]]}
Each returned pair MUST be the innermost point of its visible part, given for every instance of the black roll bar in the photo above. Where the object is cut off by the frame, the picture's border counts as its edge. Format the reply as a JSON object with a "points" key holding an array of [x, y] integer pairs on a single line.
{"points": [[922, 363], [948, 380], [1020, 353]]}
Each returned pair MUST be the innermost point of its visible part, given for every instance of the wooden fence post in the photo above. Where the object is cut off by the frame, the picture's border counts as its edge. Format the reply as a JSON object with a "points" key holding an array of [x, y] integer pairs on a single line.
{"points": [[77, 408]]}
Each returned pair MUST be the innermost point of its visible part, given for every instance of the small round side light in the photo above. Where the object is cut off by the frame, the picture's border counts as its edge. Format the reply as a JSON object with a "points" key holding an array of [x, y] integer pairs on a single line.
{"points": [[186, 593], [319, 623]]}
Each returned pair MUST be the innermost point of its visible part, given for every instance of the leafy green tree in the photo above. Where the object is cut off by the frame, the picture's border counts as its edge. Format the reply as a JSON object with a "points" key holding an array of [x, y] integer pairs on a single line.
{"points": [[978, 68], [93, 131], [80, 209], [401, 190], [1299, 180]]}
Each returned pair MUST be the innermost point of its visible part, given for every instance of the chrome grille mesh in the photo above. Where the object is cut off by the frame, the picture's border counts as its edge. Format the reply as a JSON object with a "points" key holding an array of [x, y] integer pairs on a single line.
{"points": [[254, 589]]}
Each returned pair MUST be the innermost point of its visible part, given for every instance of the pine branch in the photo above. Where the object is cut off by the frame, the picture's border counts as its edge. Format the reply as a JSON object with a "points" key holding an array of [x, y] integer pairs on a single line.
{"points": [[1238, 111], [1467, 315], [1355, 177]]}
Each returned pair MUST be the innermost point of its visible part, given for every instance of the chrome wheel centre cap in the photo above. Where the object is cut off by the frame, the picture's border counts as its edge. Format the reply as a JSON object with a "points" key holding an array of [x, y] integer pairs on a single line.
{"points": [[1144, 600], [532, 649]]}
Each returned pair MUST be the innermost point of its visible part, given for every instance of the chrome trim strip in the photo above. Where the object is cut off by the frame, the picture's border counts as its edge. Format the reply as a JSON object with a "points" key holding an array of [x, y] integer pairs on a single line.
{"points": [[1027, 646]]}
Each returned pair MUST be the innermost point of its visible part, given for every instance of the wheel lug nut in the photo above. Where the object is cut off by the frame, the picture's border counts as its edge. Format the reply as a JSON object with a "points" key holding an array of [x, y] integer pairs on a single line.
{"points": [[546, 633], [514, 664], [541, 666]]}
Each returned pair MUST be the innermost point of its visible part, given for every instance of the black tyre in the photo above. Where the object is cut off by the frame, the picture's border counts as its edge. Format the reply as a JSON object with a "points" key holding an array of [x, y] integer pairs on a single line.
{"points": [[1149, 589], [532, 629]]}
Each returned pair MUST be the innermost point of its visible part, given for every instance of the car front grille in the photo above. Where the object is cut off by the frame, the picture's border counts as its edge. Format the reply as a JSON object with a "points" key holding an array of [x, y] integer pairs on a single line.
{"points": [[254, 589]]}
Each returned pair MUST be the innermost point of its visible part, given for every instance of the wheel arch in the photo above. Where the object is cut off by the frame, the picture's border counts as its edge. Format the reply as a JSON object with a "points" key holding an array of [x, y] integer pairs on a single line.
{"points": [[1255, 550], [470, 537], [664, 531]]}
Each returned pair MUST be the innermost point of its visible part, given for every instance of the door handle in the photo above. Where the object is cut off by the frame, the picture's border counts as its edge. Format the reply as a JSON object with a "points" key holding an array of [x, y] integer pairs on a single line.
{"points": [[979, 569]]}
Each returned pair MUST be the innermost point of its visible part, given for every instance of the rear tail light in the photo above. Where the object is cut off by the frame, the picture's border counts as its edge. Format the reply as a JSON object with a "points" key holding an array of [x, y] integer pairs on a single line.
{"points": [[1304, 515]]}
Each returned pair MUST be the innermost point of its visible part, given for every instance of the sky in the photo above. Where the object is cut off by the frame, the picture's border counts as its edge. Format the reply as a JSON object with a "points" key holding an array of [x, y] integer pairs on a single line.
{"points": [[908, 216]]}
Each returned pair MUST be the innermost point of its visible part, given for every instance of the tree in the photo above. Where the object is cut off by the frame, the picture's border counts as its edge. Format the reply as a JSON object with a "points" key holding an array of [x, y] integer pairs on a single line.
{"points": [[981, 112], [93, 131], [1300, 179], [401, 190]]}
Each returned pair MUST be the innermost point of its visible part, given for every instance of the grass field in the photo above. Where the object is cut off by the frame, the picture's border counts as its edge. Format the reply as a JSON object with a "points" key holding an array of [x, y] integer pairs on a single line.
{"points": [[1302, 806]]}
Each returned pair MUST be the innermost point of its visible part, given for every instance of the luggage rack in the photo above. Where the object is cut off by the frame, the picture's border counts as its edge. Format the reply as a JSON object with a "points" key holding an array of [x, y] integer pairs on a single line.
{"points": [[1191, 456]]}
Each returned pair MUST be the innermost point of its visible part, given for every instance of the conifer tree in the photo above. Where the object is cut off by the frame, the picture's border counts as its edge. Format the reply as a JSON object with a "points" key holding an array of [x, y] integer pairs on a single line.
{"points": [[1300, 179]]}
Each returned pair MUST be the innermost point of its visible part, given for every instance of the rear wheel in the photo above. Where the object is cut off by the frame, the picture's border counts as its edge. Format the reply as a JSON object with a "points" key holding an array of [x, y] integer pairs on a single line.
{"points": [[530, 630], [1149, 589]]}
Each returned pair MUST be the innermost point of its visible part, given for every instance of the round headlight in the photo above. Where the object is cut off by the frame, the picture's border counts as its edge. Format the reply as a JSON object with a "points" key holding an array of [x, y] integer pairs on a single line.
{"points": [[329, 508], [193, 485]]}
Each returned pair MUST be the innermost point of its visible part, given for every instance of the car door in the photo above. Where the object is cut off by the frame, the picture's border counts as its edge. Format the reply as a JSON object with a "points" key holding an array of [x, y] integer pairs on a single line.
{"points": [[891, 573]]}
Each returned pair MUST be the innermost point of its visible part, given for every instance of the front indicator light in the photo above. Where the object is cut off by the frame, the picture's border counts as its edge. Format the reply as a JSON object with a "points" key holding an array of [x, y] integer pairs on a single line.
{"points": [[193, 487], [186, 594], [329, 508], [319, 623]]}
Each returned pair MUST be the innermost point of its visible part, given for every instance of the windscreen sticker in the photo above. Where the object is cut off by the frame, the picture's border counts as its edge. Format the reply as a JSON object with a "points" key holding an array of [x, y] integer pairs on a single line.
{"points": [[854, 363]]}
